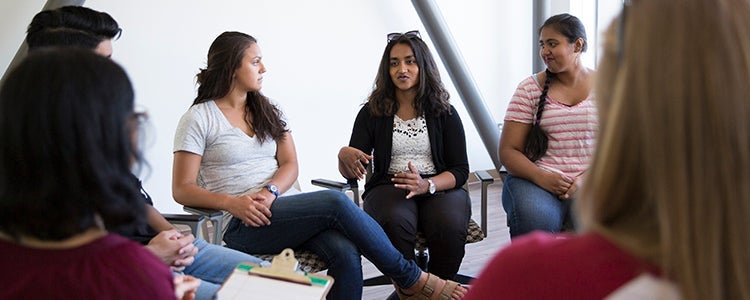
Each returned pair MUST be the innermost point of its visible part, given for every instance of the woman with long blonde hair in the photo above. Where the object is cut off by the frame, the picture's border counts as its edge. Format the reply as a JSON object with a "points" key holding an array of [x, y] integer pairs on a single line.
{"points": [[668, 191]]}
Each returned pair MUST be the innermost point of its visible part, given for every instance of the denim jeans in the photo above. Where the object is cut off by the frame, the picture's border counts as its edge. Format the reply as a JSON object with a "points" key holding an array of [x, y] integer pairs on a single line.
{"points": [[530, 207], [213, 264], [330, 225]]}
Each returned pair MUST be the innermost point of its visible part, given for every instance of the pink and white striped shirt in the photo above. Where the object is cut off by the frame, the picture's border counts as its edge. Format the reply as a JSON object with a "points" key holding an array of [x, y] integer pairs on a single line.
{"points": [[571, 129]]}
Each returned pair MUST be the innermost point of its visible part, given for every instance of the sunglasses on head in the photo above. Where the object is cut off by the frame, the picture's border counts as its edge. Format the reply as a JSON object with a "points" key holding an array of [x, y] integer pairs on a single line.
{"points": [[409, 34]]}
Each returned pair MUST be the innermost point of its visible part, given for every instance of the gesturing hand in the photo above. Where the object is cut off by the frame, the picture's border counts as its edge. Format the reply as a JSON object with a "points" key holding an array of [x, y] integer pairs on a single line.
{"points": [[251, 209], [352, 162], [411, 181]]}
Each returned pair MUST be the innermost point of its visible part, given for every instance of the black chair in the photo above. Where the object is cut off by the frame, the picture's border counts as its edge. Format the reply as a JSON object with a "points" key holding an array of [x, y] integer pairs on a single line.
{"points": [[476, 232]]}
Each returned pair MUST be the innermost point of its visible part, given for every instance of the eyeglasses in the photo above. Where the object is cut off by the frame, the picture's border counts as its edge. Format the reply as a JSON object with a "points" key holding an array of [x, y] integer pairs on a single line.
{"points": [[409, 34], [140, 117]]}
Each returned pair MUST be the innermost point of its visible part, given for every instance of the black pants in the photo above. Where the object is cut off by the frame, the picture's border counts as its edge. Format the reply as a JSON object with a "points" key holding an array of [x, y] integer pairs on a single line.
{"points": [[442, 218]]}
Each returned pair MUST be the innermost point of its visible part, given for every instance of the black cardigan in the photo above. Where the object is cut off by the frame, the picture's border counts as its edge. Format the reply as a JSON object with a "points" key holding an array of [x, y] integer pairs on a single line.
{"points": [[376, 133]]}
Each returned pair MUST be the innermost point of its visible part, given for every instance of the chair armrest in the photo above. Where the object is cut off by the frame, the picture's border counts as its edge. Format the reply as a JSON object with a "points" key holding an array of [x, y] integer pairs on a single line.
{"points": [[330, 184], [215, 216], [181, 217], [205, 212], [351, 184], [192, 221], [484, 176]]}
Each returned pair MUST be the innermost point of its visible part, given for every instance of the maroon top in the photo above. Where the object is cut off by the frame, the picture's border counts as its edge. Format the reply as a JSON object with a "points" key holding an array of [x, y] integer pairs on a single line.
{"points": [[545, 266], [111, 267]]}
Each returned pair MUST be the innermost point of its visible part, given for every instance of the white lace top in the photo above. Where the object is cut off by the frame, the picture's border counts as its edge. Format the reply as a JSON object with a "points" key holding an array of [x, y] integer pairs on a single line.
{"points": [[411, 144]]}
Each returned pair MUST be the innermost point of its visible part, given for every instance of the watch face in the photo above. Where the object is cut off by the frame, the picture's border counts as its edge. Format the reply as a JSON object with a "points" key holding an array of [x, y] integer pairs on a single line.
{"points": [[273, 189], [432, 186]]}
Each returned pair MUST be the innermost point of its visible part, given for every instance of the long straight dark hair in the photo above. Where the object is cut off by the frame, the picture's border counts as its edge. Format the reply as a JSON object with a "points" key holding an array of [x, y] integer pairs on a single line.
{"points": [[224, 58], [432, 98], [66, 125]]}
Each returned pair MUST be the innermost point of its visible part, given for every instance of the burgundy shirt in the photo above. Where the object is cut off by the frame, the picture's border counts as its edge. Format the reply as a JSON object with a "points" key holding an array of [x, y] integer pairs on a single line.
{"points": [[546, 266], [111, 267]]}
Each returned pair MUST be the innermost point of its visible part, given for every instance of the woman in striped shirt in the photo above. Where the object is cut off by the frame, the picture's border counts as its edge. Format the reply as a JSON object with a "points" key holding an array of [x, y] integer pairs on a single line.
{"points": [[549, 132]]}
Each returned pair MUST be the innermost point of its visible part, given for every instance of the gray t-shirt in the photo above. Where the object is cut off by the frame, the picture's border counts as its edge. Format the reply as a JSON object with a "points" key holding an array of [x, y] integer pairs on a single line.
{"points": [[232, 162]]}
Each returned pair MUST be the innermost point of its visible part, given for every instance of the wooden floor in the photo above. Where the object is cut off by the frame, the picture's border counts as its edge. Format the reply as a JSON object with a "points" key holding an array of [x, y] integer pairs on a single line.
{"points": [[477, 254]]}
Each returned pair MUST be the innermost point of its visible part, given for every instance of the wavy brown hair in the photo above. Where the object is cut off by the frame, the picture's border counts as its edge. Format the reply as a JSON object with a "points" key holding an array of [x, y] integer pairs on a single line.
{"points": [[224, 58], [670, 179], [432, 98]]}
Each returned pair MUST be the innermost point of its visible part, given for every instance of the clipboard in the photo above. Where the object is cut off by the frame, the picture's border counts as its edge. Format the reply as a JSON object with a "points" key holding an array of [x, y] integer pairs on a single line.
{"points": [[279, 281]]}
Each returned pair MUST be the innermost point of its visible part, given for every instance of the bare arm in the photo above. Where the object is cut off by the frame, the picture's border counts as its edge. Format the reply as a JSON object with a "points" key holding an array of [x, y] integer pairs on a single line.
{"points": [[512, 144], [156, 220], [286, 175], [186, 191], [511, 153]]}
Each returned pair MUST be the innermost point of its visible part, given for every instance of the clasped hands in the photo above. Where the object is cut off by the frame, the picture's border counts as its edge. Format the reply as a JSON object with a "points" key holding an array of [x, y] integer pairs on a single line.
{"points": [[561, 185], [253, 209], [177, 251], [174, 249]]}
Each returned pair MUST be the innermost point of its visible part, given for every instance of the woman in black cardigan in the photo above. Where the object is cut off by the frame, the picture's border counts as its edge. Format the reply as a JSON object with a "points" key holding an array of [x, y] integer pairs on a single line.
{"points": [[419, 156]]}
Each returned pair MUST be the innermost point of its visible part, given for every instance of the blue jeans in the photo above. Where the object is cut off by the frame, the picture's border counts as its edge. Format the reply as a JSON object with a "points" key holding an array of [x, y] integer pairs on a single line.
{"points": [[330, 225], [213, 264], [530, 207]]}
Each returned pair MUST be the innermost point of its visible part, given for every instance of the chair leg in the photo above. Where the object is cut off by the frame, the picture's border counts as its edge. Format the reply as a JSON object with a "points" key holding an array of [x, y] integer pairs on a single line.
{"points": [[422, 258], [218, 225]]}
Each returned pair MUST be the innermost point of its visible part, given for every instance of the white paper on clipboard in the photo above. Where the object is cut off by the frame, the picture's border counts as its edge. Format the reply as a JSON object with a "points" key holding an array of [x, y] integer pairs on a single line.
{"points": [[273, 282]]}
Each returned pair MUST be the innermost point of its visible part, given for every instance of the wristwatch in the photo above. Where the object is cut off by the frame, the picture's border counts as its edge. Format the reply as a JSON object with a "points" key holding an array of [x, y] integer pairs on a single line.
{"points": [[432, 186], [273, 189]]}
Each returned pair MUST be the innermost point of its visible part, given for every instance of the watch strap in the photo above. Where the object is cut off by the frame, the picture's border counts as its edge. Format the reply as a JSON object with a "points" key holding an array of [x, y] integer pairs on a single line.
{"points": [[273, 189]]}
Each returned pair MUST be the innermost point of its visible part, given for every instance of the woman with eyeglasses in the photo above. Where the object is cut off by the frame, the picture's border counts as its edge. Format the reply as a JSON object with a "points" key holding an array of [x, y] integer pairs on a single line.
{"points": [[65, 176], [549, 133], [418, 154], [665, 206], [234, 152]]}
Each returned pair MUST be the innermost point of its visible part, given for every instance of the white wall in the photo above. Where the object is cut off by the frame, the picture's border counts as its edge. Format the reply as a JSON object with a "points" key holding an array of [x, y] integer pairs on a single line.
{"points": [[321, 56]]}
